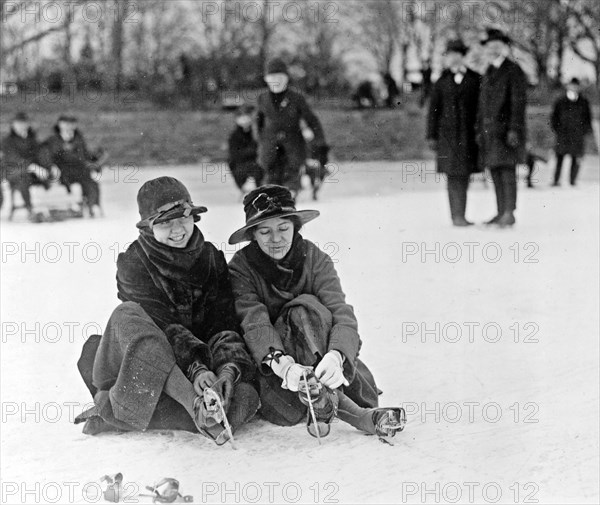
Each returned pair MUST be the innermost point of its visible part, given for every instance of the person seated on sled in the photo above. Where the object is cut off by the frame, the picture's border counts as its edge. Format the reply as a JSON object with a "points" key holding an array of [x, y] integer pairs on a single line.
{"points": [[67, 150], [174, 339], [19, 161], [243, 150], [297, 324]]}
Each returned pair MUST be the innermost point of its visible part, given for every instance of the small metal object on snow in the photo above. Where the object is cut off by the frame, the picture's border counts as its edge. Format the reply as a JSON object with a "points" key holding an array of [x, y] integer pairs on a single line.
{"points": [[167, 491], [112, 487]]}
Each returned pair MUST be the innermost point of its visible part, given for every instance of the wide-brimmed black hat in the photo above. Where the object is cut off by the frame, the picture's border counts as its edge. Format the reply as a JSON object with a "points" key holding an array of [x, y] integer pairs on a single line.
{"points": [[495, 34], [456, 46], [165, 198], [276, 66], [266, 202]]}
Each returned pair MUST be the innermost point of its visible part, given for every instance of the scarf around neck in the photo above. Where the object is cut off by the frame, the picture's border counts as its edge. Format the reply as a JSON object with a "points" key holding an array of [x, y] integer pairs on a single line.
{"points": [[171, 262], [282, 274]]}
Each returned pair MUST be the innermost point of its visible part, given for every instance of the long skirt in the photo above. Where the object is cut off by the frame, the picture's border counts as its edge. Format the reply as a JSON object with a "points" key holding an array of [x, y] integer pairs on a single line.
{"points": [[304, 325]]}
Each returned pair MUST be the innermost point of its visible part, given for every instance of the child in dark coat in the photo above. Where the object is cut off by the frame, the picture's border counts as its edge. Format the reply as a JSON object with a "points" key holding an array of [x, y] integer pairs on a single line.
{"points": [[174, 335], [243, 150]]}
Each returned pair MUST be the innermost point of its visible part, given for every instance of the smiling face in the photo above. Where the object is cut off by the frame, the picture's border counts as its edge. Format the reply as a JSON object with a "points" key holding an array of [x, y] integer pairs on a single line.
{"points": [[274, 237], [174, 233]]}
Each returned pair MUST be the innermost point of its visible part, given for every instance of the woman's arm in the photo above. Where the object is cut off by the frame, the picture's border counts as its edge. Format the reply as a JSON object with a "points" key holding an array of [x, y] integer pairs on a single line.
{"points": [[327, 287], [259, 334]]}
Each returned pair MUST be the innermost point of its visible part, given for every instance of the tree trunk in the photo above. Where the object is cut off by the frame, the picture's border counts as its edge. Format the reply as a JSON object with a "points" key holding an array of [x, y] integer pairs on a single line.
{"points": [[117, 45]]}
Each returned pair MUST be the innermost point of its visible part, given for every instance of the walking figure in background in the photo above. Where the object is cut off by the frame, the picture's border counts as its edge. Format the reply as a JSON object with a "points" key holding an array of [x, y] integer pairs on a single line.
{"points": [[67, 150], [451, 127], [501, 129], [243, 150], [281, 145], [393, 92], [19, 163], [532, 161], [571, 121], [425, 83]]}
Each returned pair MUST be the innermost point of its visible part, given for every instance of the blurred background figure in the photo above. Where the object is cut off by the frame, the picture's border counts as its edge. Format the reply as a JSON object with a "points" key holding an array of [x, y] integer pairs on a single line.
{"points": [[67, 150], [281, 145], [243, 150], [393, 92], [425, 83], [501, 127], [19, 163], [571, 121], [451, 126], [364, 96], [532, 161]]}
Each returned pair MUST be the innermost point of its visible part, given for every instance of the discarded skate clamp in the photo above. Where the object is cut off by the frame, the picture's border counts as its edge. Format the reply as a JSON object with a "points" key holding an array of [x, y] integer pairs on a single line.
{"points": [[167, 491], [112, 487]]}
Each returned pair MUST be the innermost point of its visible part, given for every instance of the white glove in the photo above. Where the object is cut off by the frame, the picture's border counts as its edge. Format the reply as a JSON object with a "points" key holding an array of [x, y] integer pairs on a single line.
{"points": [[289, 371], [330, 370], [34, 168]]}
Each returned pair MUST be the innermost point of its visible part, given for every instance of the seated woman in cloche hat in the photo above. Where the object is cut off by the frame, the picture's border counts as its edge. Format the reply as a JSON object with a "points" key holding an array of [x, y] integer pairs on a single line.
{"points": [[297, 324], [174, 335]]}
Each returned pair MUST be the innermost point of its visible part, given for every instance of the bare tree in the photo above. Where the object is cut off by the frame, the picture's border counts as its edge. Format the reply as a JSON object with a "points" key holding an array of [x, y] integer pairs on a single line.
{"points": [[583, 18]]}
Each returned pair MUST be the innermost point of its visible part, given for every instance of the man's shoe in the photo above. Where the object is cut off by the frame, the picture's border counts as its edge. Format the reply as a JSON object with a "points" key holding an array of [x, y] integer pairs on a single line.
{"points": [[461, 221], [494, 220], [507, 219]]}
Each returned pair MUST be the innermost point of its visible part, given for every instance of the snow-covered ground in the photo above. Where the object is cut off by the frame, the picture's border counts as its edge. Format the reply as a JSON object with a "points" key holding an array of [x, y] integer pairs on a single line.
{"points": [[488, 337]]}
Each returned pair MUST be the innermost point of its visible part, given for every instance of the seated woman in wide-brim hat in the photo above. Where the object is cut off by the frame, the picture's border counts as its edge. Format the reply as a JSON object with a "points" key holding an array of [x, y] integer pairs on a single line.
{"points": [[297, 324]]}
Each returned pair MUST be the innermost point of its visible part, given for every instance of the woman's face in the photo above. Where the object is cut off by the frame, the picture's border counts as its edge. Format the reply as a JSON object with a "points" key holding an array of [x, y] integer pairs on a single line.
{"points": [[174, 233], [274, 237]]}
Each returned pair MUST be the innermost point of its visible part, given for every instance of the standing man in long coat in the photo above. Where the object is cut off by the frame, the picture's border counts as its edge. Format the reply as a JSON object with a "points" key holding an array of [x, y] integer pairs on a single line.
{"points": [[451, 127], [281, 146], [501, 123], [571, 121]]}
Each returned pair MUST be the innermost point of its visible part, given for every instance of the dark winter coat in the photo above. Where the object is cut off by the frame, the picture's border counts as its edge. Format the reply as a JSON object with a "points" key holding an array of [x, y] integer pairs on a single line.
{"points": [[72, 158], [278, 123], [451, 122], [259, 302], [502, 102], [571, 121], [195, 311], [17, 154], [242, 147]]}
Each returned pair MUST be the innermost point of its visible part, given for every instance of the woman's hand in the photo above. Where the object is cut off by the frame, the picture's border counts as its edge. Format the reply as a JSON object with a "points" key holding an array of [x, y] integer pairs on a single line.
{"points": [[290, 371], [330, 370], [228, 376], [203, 380]]}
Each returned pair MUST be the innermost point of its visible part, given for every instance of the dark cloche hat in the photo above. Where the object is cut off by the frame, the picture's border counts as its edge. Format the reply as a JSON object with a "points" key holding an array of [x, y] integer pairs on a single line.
{"points": [[266, 202], [575, 81], [165, 198], [495, 34], [456, 46], [276, 66]]}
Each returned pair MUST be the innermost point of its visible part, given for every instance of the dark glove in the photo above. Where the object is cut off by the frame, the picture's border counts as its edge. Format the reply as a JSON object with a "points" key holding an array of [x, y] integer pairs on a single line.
{"points": [[433, 144], [201, 377], [228, 376], [512, 139]]}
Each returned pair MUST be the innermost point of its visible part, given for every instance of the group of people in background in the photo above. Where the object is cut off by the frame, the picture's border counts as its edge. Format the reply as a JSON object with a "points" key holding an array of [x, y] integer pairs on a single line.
{"points": [[273, 143], [478, 122], [63, 156]]}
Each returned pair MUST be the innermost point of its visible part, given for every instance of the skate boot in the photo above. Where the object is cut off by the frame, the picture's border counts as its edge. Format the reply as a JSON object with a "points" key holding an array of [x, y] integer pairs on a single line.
{"points": [[209, 421], [388, 422], [322, 401]]}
